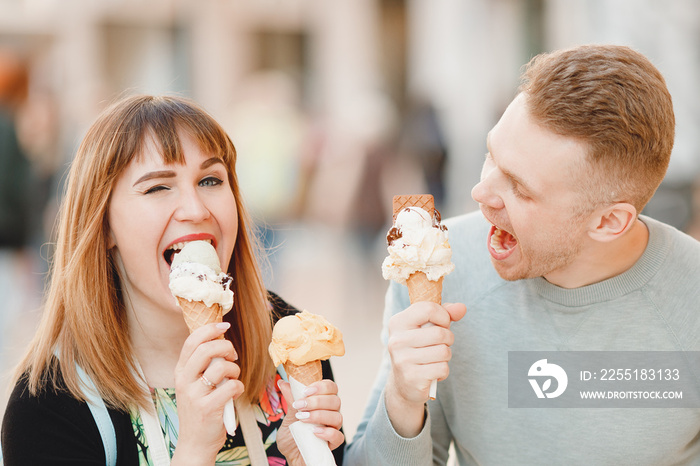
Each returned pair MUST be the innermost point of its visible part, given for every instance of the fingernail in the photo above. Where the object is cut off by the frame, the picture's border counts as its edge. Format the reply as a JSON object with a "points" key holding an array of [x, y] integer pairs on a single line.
{"points": [[318, 430], [223, 325], [299, 404], [309, 391], [303, 415]]}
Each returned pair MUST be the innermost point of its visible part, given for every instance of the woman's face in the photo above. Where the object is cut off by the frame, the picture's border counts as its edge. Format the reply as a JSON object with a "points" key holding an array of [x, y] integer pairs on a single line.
{"points": [[155, 208]]}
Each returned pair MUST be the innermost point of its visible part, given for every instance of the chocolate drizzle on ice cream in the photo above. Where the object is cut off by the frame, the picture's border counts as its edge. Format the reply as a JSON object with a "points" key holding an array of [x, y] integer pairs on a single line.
{"points": [[395, 232], [196, 275], [393, 235], [417, 241]]}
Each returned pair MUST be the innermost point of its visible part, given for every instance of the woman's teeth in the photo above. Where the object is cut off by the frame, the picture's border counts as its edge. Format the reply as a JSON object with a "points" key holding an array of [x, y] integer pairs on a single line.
{"points": [[178, 246], [175, 248]]}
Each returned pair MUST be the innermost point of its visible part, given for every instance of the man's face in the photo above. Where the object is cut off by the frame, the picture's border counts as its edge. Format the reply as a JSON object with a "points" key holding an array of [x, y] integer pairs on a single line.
{"points": [[529, 193]]}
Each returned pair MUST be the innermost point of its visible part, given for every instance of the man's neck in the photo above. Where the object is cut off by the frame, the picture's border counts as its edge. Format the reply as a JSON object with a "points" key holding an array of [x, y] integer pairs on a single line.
{"points": [[602, 261]]}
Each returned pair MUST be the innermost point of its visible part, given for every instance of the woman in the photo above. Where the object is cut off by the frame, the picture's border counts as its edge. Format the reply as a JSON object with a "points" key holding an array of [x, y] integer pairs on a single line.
{"points": [[153, 172]]}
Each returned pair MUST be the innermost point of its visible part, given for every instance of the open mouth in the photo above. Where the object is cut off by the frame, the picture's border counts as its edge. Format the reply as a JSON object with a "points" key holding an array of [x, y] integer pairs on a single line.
{"points": [[501, 243], [174, 248]]}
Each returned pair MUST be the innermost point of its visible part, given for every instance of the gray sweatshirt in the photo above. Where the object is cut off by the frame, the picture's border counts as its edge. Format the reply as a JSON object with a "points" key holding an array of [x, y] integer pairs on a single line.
{"points": [[654, 306]]}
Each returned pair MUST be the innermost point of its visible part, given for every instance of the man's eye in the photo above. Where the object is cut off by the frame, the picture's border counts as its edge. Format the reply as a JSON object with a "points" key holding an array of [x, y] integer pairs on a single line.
{"points": [[518, 193], [210, 181]]}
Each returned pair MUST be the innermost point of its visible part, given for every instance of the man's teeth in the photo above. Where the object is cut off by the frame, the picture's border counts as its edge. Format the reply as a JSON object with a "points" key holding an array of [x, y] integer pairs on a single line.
{"points": [[496, 241]]}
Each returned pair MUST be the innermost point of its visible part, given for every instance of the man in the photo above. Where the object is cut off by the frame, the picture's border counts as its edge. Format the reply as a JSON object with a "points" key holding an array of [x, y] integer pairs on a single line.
{"points": [[573, 267]]}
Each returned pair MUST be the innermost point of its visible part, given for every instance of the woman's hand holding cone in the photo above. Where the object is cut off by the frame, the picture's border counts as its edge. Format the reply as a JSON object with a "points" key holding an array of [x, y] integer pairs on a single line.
{"points": [[201, 407], [319, 406]]}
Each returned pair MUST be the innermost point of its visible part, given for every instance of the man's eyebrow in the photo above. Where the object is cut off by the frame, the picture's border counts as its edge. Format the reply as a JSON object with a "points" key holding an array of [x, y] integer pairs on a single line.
{"points": [[155, 174], [507, 173]]}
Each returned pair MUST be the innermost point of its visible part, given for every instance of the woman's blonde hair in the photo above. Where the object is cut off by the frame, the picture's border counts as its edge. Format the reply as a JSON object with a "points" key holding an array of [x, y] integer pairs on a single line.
{"points": [[84, 320]]}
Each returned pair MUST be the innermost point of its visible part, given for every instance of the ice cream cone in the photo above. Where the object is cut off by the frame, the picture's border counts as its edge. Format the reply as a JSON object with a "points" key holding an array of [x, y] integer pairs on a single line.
{"points": [[314, 450], [422, 289], [424, 201], [197, 314], [306, 339], [204, 295], [306, 374]]}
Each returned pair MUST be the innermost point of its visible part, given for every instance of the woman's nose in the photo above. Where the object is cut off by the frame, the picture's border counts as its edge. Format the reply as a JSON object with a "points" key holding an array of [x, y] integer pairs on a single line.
{"points": [[191, 207]]}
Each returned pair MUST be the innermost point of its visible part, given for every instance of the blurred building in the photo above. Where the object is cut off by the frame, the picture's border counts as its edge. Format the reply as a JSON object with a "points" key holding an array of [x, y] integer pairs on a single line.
{"points": [[353, 66], [86, 53]]}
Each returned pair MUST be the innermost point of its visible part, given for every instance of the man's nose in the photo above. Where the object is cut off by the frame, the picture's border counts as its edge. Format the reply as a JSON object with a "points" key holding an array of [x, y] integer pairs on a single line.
{"points": [[485, 191]]}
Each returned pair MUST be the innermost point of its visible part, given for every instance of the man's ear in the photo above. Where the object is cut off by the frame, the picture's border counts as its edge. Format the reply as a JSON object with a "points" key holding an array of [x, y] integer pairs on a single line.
{"points": [[612, 222]]}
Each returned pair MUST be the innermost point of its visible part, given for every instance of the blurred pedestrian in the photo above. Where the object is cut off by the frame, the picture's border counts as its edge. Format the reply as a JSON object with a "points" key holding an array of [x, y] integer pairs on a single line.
{"points": [[422, 138], [15, 191], [14, 165]]}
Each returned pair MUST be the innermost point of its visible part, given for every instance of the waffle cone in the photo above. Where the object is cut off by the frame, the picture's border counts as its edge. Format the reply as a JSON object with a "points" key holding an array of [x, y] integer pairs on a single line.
{"points": [[307, 373], [197, 314], [422, 289], [424, 201]]}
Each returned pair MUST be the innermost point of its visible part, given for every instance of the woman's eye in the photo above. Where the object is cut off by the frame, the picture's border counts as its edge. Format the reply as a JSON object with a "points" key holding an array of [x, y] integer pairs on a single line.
{"points": [[210, 181], [155, 189]]}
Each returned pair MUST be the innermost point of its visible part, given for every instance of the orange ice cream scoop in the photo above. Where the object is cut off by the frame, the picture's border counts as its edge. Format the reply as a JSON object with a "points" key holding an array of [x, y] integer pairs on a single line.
{"points": [[304, 337]]}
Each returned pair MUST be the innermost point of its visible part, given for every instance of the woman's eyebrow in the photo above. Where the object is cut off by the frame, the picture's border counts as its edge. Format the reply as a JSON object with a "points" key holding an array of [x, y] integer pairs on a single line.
{"points": [[171, 174], [211, 161], [155, 174]]}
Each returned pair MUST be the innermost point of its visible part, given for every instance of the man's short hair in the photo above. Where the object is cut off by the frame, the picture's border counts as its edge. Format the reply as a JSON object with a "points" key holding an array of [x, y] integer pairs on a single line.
{"points": [[615, 101]]}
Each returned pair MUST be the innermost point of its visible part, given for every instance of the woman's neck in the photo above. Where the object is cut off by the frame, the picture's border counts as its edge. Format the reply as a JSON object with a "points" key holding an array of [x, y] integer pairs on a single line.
{"points": [[157, 336]]}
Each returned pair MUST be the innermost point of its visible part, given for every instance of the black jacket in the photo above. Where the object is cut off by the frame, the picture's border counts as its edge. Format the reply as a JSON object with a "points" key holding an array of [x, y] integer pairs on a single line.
{"points": [[54, 428]]}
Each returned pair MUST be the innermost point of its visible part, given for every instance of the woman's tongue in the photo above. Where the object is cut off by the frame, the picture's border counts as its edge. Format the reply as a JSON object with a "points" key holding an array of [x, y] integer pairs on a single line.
{"points": [[502, 244]]}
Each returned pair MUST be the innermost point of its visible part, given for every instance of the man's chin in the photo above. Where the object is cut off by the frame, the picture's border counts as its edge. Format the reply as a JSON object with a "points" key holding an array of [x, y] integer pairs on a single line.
{"points": [[515, 268], [508, 273]]}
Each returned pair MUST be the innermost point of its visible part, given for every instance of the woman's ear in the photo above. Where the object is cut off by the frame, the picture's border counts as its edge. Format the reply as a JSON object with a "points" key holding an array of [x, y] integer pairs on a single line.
{"points": [[111, 241], [612, 222]]}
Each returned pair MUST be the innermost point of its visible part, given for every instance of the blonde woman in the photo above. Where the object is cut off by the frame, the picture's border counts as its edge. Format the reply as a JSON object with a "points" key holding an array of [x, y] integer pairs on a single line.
{"points": [[154, 171]]}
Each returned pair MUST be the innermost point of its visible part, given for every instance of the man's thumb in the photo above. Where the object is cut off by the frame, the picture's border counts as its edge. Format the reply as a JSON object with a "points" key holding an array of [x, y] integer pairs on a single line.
{"points": [[456, 311]]}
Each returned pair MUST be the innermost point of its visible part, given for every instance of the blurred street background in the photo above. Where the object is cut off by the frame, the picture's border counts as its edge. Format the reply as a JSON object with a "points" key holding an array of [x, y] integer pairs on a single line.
{"points": [[334, 106]]}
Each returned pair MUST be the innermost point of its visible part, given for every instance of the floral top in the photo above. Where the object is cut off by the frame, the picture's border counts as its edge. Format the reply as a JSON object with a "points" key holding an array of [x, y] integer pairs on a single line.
{"points": [[268, 413]]}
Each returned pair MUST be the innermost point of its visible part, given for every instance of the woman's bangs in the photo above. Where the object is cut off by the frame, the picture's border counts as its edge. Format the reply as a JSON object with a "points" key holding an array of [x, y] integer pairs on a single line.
{"points": [[157, 122], [212, 139]]}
